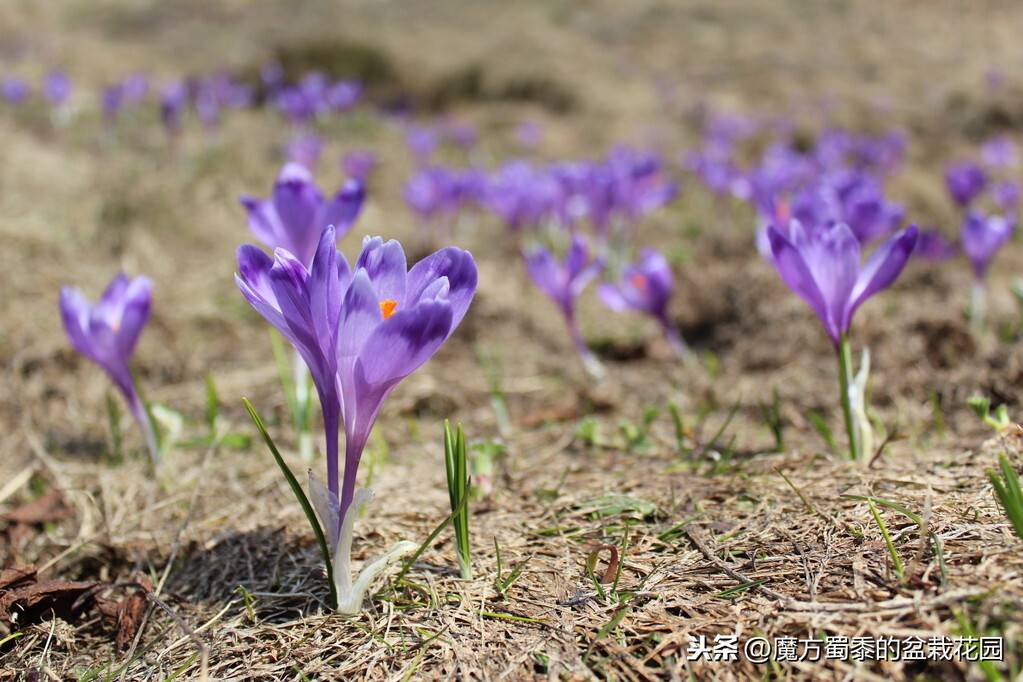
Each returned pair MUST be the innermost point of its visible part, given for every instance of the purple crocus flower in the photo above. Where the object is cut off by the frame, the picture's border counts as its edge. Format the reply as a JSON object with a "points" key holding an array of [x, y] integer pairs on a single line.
{"points": [[296, 105], [135, 88], [14, 89], [303, 303], [272, 76], [392, 321], [57, 88], [421, 142], [462, 134], [646, 286], [207, 105], [305, 149], [932, 246], [965, 181], [294, 216], [1006, 195], [107, 334], [360, 333], [112, 99], [822, 266], [359, 164], [563, 282], [982, 237], [999, 152], [343, 95], [173, 103]]}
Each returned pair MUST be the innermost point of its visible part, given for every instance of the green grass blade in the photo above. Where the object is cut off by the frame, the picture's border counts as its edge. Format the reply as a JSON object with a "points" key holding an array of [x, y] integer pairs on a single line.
{"points": [[287, 379], [894, 506], [300, 495], [212, 405], [896, 561]]}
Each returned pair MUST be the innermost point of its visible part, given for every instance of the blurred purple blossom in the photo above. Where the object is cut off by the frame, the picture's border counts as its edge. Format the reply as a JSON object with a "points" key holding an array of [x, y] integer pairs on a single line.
{"points": [[305, 149], [562, 281], [15, 90], [646, 286], [112, 99], [359, 164], [982, 237], [933, 246], [1000, 152], [343, 95], [107, 333], [1006, 195], [173, 104], [134, 89], [421, 142], [462, 134], [965, 181], [57, 88], [295, 215]]}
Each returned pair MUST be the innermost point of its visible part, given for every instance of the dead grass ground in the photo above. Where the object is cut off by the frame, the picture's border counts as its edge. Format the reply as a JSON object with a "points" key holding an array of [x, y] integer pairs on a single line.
{"points": [[219, 534]]}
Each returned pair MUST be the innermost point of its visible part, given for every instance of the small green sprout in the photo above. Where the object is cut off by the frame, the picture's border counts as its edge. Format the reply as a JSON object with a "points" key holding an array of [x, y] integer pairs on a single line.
{"points": [[981, 406], [456, 465], [1007, 491]]}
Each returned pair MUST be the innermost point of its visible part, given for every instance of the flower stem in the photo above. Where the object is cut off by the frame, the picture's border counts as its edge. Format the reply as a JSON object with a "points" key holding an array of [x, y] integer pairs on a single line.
{"points": [[590, 362], [677, 343], [845, 378], [978, 304]]}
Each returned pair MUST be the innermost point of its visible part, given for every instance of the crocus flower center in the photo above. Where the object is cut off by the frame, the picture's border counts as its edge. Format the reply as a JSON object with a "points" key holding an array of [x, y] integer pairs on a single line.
{"points": [[639, 281], [387, 307], [783, 210]]}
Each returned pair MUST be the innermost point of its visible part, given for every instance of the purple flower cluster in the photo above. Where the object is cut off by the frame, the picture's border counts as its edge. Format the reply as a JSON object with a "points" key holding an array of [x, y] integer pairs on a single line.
{"points": [[615, 191], [313, 97]]}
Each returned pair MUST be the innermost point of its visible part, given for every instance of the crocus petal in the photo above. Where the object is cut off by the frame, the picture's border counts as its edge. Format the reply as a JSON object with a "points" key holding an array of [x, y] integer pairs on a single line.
{"points": [[384, 263], [438, 288], [403, 342], [796, 275], [109, 305], [397, 347], [612, 297], [136, 301], [343, 209], [545, 272], [458, 267], [324, 290], [254, 268], [289, 282], [263, 221], [578, 256], [881, 269], [360, 315], [74, 311], [297, 204], [832, 254]]}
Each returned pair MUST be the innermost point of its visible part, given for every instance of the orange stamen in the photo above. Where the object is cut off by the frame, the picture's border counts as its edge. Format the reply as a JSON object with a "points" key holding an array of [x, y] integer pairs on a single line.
{"points": [[639, 281], [387, 307]]}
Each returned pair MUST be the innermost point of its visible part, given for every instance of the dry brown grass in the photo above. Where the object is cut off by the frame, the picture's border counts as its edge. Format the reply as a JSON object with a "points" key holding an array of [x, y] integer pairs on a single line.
{"points": [[226, 546]]}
